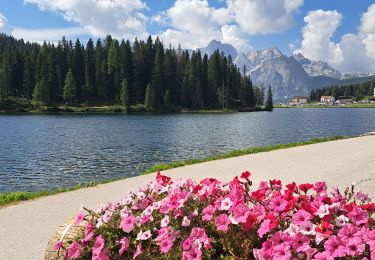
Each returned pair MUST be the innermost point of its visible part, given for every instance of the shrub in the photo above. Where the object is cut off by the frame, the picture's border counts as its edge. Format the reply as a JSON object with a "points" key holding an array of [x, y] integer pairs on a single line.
{"points": [[215, 220]]}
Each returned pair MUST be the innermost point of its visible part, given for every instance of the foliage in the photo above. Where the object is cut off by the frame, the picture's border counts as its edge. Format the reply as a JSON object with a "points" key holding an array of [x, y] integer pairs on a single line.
{"points": [[190, 81], [269, 101], [212, 220]]}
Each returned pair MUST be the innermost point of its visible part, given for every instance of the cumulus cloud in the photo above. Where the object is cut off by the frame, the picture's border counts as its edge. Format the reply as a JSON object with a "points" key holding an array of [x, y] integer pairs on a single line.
{"points": [[353, 53], [4, 24], [264, 16], [120, 18], [317, 34], [234, 36], [194, 23]]}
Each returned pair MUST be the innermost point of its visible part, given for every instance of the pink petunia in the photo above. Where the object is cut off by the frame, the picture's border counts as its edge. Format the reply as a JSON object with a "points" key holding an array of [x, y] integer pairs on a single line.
{"points": [[349, 232], [80, 217], [165, 245], [355, 247], [187, 244], [358, 216], [240, 213], [323, 256], [208, 212], [264, 228], [138, 251], [301, 217], [88, 233], [58, 246], [124, 242], [280, 238], [164, 222], [278, 203], [74, 251], [127, 224], [185, 222], [301, 242], [98, 245], [282, 252], [222, 222], [335, 246], [226, 204]]}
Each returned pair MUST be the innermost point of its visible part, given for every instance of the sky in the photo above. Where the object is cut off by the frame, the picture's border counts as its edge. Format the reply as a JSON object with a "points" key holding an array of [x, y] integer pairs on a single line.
{"points": [[340, 32]]}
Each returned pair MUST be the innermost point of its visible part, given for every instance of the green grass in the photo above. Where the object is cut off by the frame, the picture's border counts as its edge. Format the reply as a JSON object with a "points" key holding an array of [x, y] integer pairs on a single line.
{"points": [[11, 198], [235, 153]]}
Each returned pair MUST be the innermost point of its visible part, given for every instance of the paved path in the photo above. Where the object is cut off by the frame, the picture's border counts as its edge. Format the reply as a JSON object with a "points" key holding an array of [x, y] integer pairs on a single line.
{"points": [[26, 228]]}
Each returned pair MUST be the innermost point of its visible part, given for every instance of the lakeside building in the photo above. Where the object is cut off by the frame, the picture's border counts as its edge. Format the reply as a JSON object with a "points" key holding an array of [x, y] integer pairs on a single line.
{"points": [[299, 100], [344, 100], [327, 100]]}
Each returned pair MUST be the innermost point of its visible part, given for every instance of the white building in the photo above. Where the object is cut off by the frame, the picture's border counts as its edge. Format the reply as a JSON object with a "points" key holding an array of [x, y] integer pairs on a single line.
{"points": [[327, 100]]}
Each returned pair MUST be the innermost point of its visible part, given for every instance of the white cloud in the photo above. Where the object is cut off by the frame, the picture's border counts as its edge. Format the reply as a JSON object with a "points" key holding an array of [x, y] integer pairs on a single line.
{"points": [[4, 24], [233, 35], [264, 16], [317, 34], [120, 18], [194, 23], [49, 35], [353, 53]]}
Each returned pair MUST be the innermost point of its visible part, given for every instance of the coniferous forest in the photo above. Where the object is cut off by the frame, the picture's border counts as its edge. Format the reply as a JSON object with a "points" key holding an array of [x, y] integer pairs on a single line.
{"points": [[142, 74]]}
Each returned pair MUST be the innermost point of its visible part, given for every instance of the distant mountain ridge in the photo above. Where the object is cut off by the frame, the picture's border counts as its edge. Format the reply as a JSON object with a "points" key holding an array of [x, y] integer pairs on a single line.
{"points": [[288, 76]]}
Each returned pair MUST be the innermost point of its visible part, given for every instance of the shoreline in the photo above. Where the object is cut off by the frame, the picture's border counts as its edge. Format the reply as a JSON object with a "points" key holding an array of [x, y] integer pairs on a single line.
{"points": [[13, 198]]}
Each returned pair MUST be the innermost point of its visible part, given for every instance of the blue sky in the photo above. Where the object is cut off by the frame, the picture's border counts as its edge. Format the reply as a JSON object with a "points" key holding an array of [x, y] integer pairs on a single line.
{"points": [[319, 29]]}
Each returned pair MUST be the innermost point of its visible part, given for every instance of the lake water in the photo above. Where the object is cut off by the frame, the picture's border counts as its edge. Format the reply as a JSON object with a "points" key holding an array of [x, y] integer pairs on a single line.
{"points": [[39, 152]]}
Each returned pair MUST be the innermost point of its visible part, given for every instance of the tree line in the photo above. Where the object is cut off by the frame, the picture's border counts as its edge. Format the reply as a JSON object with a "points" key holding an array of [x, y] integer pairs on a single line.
{"points": [[144, 73], [358, 91]]}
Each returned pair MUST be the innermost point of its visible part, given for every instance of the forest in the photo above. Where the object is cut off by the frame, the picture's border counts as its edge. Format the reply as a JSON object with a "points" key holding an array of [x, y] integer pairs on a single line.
{"points": [[358, 91], [142, 75]]}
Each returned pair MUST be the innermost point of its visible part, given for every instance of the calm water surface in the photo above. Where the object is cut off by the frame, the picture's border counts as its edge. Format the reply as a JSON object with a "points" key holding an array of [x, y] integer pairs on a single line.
{"points": [[39, 152]]}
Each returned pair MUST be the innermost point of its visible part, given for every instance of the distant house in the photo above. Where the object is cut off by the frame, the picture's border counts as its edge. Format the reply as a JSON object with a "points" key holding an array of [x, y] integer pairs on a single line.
{"points": [[372, 100], [327, 99], [344, 100], [299, 100]]}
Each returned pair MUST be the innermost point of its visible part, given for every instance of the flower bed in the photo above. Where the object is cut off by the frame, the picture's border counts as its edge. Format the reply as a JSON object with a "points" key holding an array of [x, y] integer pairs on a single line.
{"points": [[215, 220]]}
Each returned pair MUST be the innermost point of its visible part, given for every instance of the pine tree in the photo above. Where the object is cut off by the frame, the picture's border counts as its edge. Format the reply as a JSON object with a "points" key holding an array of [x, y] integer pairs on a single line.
{"points": [[167, 99], [149, 96], [70, 88], [269, 102], [41, 93], [78, 68], [89, 90], [158, 79], [124, 95]]}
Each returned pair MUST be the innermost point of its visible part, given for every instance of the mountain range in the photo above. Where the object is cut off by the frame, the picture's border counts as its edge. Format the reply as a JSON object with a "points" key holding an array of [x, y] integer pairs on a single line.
{"points": [[288, 76]]}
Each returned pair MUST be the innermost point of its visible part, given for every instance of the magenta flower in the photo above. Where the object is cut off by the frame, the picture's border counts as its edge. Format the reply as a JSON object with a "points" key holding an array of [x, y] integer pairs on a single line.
{"points": [[324, 256], [127, 224], [301, 217], [301, 242], [335, 246], [282, 252], [349, 232], [355, 247], [222, 222], [80, 217], [74, 251], [58, 246], [240, 213], [165, 245], [187, 244], [278, 203], [358, 216], [264, 228], [370, 238], [124, 245]]}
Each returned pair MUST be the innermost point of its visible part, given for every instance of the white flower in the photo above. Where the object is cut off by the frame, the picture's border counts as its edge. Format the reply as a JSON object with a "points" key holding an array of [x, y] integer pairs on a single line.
{"points": [[164, 222], [322, 211], [186, 222], [308, 229], [144, 235], [341, 220], [226, 204]]}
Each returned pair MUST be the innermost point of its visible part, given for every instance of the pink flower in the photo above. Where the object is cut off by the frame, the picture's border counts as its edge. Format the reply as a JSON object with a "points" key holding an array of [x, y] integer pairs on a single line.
{"points": [[226, 204], [193, 254], [264, 228], [301, 217], [124, 245], [127, 224], [358, 216], [324, 256], [278, 203], [349, 232], [185, 222], [187, 244], [301, 242], [282, 252], [370, 238], [144, 235], [80, 217], [164, 222], [102, 256], [222, 222], [320, 187], [138, 251], [165, 245], [74, 251], [208, 212], [58, 246], [335, 247], [355, 247], [98, 245], [240, 213], [246, 175]]}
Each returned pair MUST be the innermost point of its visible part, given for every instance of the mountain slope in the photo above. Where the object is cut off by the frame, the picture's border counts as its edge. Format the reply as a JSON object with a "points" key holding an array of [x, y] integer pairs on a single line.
{"points": [[214, 45]]}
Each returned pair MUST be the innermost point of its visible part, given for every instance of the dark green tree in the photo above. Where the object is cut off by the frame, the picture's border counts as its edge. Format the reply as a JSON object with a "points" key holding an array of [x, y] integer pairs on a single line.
{"points": [[149, 97], [70, 88], [124, 95], [269, 101]]}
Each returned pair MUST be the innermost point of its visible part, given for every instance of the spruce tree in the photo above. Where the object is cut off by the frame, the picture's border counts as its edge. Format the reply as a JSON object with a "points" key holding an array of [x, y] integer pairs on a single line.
{"points": [[89, 87], [124, 95], [149, 96], [269, 102], [70, 88]]}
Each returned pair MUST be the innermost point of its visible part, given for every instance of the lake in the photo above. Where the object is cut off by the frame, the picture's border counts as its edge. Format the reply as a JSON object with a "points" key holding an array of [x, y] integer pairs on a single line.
{"points": [[40, 152]]}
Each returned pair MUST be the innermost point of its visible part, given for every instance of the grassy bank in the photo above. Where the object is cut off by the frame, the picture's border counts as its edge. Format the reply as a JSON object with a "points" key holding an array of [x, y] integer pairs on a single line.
{"points": [[345, 106], [10, 198]]}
